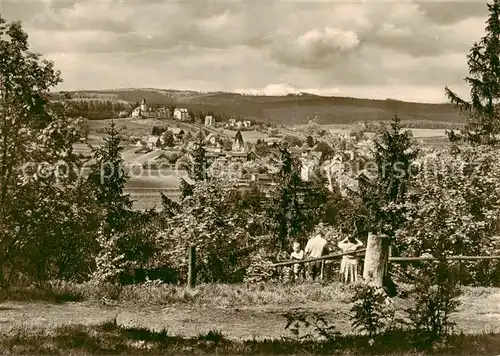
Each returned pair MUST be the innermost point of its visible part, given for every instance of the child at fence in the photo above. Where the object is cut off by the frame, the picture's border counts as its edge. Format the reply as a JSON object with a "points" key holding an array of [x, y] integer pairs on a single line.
{"points": [[298, 255], [349, 263]]}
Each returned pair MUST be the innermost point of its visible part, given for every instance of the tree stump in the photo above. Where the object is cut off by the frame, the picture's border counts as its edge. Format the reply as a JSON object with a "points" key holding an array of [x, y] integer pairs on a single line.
{"points": [[376, 259]]}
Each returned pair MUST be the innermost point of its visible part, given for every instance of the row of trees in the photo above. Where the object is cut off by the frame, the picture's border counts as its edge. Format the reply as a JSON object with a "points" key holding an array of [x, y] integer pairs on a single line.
{"points": [[98, 110]]}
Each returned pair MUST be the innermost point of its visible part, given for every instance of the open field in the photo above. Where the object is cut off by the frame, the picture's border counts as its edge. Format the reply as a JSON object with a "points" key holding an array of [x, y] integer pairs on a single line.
{"points": [[248, 136], [238, 311]]}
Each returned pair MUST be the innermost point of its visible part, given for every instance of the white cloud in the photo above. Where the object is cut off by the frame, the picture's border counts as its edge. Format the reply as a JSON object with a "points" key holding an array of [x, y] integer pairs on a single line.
{"points": [[368, 49]]}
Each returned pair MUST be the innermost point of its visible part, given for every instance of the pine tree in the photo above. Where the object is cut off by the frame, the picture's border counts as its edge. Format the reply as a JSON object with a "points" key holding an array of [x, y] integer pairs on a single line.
{"points": [[394, 153], [383, 198], [186, 188], [238, 138], [199, 168], [187, 137], [108, 179], [285, 208], [484, 81], [168, 138], [170, 208]]}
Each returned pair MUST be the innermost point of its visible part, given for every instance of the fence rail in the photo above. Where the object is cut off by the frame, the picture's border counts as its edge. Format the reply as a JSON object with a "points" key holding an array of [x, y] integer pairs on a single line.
{"points": [[391, 259], [150, 190], [322, 258], [448, 258]]}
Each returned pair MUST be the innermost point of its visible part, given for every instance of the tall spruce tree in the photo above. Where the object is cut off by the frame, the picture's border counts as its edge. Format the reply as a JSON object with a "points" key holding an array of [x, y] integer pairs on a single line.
{"points": [[285, 208], [484, 80], [384, 196], [108, 179], [394, 153]]}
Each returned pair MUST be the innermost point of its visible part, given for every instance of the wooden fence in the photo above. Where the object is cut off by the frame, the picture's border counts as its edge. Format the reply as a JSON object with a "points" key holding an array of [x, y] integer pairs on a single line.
{"points": [[360, 253], [192, 261]]}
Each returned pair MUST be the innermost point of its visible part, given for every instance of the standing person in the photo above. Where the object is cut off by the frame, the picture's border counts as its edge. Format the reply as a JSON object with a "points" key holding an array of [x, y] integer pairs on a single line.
{"points": [[349, 263], [316, 247], [298, 255]]}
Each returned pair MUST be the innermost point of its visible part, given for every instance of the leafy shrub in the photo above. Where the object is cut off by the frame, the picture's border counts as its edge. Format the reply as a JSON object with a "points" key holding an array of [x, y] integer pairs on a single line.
{"points": [[315, 326], [213, 335], [260, 270], [109, 262], [456, 210], [435, 300], [207, 218], [370, 312]]}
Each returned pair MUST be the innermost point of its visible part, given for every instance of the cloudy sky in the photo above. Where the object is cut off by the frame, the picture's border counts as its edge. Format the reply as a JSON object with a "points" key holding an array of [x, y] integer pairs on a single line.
{"points": [[377, 49]]}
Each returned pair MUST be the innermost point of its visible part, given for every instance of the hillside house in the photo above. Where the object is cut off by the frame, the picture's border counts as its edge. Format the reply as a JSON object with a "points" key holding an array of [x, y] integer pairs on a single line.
{"points": [[253, 156], [310, 161], [236, 124], [152, 141], [181, 114], [137, 113], [141, 110], [162, 113], [177, 132], [213, 143], [273, 141], [209, 120]]}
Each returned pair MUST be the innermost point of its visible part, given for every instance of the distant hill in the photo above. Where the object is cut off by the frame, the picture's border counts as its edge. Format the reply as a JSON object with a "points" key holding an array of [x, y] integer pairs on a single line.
{"points": [[287, 110]]}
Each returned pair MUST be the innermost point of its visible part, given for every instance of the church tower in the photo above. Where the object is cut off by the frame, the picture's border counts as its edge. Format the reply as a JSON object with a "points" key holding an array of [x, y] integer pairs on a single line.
{"points": [[144, 106]]}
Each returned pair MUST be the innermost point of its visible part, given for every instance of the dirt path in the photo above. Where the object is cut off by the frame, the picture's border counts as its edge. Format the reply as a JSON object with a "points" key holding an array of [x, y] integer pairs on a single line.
{"points": [[477, 314]]}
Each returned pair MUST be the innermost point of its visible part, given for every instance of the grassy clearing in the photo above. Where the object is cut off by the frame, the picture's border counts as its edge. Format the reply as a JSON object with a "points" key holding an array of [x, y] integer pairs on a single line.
{"points": [[241, 312], [249, 136], [210, 295], [216, 295], [111, 338]]}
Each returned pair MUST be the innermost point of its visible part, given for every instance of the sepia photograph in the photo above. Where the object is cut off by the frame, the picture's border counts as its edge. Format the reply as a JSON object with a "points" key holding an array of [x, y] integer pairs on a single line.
{"points": [[250, 177]]}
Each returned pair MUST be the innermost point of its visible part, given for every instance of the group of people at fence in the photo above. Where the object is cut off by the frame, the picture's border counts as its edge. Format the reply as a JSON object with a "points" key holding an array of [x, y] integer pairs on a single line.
{"points": [[317, 247]]}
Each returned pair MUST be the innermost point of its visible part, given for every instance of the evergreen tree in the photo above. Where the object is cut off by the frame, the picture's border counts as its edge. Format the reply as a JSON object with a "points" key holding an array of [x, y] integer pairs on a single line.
{"points": [[285, 208], [200, 136], [238, 137], [186, 188], [384, 197], [170, 208], [484, 81], [187, 137], [108, 179], [199, 167], [168, 138], [394, 153]]}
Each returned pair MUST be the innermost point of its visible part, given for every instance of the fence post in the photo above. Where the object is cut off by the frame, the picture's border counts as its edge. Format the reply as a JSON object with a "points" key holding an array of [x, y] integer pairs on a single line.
{"points": [[192, 266], [460, 271], [322, 269]]}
